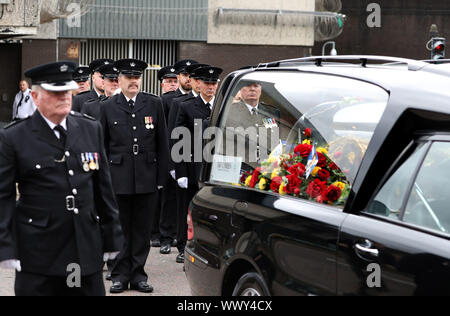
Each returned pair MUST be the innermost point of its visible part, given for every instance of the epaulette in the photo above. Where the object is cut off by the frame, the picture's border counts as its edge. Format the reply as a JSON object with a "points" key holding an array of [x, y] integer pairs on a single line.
{"points": [[14, 123], [79, 115], [150, 94], [82, 93]]}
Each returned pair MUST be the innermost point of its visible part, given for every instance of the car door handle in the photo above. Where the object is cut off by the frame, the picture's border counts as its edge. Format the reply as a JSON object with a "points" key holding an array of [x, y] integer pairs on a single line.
{"points": [[241, 207], [367, 249]]}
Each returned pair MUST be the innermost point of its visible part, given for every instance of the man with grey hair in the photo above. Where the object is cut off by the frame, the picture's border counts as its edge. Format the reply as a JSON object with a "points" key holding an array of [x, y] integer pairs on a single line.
{"points": [[66, 200], [23, 106]]}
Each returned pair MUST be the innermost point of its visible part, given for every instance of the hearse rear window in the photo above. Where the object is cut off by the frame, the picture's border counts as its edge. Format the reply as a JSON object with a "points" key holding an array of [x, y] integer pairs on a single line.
{"points": [[297, 134]]}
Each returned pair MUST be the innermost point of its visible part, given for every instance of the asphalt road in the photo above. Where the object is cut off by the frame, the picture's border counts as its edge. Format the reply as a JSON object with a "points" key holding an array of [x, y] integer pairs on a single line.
{"points": [[165, 275]]}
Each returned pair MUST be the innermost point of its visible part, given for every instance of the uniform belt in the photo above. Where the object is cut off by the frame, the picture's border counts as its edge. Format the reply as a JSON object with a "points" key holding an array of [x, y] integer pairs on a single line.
{"points": [[69, 202], [134, 150]]}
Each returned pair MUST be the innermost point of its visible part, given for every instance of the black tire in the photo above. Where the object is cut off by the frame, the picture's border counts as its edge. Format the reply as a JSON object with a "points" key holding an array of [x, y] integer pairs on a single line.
{"points": [[251, 284]]}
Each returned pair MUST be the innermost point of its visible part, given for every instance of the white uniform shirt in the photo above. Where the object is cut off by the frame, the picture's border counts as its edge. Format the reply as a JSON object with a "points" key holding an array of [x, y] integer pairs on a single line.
{"points": [[27, 106]]}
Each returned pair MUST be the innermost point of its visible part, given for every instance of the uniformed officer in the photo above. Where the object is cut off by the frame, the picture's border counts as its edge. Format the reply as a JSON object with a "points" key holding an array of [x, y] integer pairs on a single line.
{"points": [[58, 159], [81, 77], [137, 145], [168, 77], [98, 84], [184, 88], [23, 106], [188, 172], [110, 75]]}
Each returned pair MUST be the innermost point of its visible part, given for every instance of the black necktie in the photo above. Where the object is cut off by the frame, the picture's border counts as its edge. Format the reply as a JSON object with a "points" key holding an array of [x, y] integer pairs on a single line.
{"points": [[62, 135], [208, 108], [254, 111], [131, 104], [20, 103]]}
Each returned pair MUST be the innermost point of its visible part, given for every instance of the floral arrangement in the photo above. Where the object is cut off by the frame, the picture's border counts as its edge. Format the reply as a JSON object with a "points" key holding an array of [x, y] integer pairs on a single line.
{"points": [[287, 175]]}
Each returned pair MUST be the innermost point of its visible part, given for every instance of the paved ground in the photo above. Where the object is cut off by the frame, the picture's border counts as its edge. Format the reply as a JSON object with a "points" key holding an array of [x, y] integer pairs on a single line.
{"points": [[165, 275]]}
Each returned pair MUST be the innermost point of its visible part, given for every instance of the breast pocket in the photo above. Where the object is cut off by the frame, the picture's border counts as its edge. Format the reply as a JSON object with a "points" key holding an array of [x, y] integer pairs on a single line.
{"points": [[39, 166]]}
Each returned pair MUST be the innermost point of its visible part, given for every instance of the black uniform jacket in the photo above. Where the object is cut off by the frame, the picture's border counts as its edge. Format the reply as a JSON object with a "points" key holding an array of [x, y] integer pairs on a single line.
{"points": [[167, 100], [138, 151], [189, 112], [92, 107], [82, 98], [172, 121], [57, 220]]}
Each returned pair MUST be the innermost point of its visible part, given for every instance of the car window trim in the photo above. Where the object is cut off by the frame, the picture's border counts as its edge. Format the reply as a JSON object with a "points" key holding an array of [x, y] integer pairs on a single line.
{"points": [[288, 197], [413, 181], [407, 225]]}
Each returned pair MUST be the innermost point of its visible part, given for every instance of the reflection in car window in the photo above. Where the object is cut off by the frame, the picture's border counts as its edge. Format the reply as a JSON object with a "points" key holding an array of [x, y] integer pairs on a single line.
{"points": [[428, 205], [389, 201], [297, 134]]}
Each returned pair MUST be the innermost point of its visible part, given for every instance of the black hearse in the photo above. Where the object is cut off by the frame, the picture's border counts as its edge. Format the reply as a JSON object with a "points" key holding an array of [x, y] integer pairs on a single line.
{"points": [[353, 199]]}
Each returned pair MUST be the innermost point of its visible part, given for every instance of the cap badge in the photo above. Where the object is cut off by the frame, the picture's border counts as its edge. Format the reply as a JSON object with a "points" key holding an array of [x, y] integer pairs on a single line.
{"points": [[133, 65], [115, 69], [106, 62], [80, 71], [64, 68], [188, 63], [172, 70], [211, 71]]}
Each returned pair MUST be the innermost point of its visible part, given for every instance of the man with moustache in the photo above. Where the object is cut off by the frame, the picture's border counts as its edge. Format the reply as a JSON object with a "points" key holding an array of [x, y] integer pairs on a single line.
{"points": [[188, 172], [55, 227], [97, 82], [137, 145], [110, 75]]}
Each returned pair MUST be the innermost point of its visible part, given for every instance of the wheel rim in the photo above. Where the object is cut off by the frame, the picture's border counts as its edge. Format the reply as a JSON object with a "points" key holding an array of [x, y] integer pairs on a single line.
{"points": [[251, 292]]}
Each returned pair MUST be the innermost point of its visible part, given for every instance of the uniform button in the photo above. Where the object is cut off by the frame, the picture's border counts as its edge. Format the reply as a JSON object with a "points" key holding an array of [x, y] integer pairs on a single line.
{"points": [[71, 173], [76, 211], [75, 191], [38, 167], [115, 123], [133, 116], [135, 140], [134, 128], [30, 221], [98, 218], [67, 154]]}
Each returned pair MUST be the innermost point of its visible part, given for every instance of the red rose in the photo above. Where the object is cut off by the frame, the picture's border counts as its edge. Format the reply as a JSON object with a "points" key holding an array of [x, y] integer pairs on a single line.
{"points": [[276, 183], [331, 194], [297, 192], [323, 175], [333, 166], [294, 182], [303, 150], [308, 132], [299, 170], [255, 178], [322, 160], [316, 188]]}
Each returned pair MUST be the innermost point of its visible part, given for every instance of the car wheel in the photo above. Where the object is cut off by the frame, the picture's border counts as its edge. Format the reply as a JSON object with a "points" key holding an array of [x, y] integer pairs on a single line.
{"points": [[251, 284]]}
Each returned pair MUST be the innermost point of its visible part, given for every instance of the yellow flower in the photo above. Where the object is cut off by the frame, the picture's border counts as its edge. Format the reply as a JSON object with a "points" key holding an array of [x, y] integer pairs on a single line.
{"points": [[262, 184], [307, 141], [282, 189], [340, 185], [247, 182], [315, 171], [322, 150], [275, 173]]}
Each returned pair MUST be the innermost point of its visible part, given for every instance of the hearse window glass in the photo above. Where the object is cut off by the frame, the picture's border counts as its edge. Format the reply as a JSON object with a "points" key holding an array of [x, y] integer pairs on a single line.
{"points": [[297, 134], [389, 200], [428, 204]]}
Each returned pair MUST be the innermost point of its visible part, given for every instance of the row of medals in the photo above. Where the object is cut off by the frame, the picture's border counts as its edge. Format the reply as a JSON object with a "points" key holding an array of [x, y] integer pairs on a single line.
{"points": [[90, 162]]}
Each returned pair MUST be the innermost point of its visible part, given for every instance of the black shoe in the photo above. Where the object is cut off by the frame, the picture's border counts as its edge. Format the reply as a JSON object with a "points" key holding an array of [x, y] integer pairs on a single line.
{"points": [[165, 250], [180, 258], [108, 276], [142, 287], [156, 243], [174, 243], [117, 288]]}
